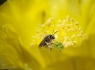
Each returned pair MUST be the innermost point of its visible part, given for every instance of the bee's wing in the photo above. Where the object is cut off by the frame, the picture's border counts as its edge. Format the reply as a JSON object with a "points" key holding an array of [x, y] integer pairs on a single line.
{"points": [[43, 42]]}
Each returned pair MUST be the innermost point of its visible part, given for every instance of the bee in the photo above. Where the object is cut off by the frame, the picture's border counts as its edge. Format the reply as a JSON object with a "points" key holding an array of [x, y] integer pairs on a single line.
{"points": [[47, 40]]}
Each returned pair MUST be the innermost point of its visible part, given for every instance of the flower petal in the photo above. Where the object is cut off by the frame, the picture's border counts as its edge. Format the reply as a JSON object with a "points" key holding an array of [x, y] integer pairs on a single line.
{"points": [[11, 55]]}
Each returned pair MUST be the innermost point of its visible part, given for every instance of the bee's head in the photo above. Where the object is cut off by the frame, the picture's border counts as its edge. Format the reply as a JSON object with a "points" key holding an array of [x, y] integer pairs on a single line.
{"points": [[52, 37]]}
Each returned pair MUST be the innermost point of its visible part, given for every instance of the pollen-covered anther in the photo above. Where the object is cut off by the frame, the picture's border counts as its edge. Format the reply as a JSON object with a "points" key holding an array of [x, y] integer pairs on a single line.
{"points": [[68, 25], [80, 34], [43, 25], [75, 29], [73, 36], [75, 42], [38, 31], [77, 23], [66, 20], [84, 36], [71, 19], [49, 21], [68, 43]]}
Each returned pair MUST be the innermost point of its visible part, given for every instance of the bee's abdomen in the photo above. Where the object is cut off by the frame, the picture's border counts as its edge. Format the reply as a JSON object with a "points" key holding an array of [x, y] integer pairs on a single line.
{"points": [[42, 44]]}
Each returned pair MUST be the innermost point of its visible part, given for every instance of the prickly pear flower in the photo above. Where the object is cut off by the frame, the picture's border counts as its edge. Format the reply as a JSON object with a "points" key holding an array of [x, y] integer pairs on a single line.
{"points": [[25, 23]]}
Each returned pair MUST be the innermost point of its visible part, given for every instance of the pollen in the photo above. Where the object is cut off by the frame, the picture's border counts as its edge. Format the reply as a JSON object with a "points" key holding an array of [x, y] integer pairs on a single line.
{"points": [[69, 32]]}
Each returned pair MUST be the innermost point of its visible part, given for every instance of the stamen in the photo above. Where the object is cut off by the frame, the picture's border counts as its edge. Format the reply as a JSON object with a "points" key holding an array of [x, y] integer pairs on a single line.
{"points": [[69, 32], [77, 23]]}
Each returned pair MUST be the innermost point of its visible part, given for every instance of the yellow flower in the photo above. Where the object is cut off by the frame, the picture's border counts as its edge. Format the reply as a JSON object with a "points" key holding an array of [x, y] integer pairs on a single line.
{"points": [[19, 21]]}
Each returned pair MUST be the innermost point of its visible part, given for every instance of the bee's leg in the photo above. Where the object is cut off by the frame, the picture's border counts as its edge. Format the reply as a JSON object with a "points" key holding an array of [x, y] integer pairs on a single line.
{"points": [[49, 45]]}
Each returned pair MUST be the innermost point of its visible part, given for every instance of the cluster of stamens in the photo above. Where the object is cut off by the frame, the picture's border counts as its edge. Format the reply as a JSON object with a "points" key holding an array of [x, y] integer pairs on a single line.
{"points": [[69, 33]]}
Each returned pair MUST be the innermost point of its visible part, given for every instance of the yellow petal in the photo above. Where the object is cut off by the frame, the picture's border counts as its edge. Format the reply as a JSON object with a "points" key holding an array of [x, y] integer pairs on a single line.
{"points": [[11, 55], [24, 16]]}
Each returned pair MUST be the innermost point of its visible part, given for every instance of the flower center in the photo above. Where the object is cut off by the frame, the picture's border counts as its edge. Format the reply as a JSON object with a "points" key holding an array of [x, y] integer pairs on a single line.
{"points": [[69, 33]]}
